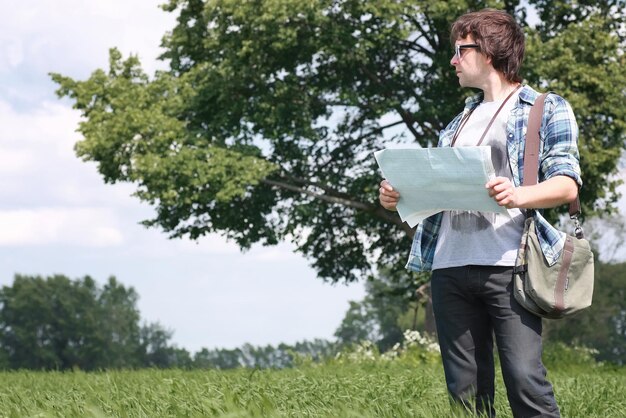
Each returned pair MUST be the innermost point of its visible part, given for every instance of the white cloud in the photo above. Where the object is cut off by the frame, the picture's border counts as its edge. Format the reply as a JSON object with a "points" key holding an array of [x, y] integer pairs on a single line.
{"points": [[13, 54], [49, 127], [15, 161], [67, 35], [90, 227], [37, 155]]}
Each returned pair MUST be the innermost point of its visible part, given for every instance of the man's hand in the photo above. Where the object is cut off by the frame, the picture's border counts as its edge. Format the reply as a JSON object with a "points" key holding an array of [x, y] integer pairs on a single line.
{"points": [[553, 192], [504, 192], [387, 196]]}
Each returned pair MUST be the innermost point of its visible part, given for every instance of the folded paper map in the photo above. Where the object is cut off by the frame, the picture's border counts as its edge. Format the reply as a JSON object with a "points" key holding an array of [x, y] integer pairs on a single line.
{"points": [[431, 180]]}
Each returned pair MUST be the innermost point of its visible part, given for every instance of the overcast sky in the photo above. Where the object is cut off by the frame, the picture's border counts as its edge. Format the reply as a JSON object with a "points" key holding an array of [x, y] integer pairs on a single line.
{"points": [[58, 217]]}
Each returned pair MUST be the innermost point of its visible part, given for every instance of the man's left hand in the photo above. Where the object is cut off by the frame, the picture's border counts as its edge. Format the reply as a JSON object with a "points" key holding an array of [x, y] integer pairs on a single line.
{"points": [[504, 192]]}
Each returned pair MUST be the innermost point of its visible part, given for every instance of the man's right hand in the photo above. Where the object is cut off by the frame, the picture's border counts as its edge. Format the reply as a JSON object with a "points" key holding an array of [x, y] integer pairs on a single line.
{"points": [[387, 196]]}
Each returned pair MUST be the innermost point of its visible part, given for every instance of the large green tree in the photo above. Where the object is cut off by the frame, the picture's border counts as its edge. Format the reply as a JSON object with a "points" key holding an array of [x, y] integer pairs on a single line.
{"points": [[264, 125]]}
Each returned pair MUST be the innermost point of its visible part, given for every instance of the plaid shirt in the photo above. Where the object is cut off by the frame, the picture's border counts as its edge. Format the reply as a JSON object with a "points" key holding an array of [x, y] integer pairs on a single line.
{"points": [[558, 156]]}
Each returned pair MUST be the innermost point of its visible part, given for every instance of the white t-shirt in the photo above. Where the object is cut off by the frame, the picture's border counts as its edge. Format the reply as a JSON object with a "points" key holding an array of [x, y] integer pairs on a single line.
{"points": [[482, 238]]}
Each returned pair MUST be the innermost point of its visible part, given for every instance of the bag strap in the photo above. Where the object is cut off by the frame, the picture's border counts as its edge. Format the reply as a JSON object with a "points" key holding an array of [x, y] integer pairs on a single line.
{"points": [[531, 157], [531, 149]]}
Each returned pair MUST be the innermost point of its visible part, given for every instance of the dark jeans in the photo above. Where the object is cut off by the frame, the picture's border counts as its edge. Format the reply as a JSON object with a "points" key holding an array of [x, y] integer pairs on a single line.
{"points": [[471, 304]]}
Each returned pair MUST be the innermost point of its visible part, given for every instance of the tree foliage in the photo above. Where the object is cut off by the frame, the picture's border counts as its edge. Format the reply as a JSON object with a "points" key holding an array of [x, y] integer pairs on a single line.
{"points": [[391, 306], [264, 126], [265, 357], [57, 323], [578, 51]]}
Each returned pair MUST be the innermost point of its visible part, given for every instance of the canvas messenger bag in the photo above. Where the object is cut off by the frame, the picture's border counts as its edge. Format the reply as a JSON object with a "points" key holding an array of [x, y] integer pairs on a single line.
{"points": [[566, 287]]}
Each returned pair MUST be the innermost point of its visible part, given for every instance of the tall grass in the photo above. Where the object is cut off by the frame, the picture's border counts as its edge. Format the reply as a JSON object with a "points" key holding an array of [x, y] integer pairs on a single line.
{"points": [[371, 388], [407, 381]]}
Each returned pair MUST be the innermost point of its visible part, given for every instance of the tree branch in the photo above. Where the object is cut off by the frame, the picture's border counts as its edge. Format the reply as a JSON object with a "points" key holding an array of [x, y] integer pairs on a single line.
{"points": [[406, 116], [342, 199], [367, 207], [418, 48], [330, 191], [427, 126], [423, 32], [357, 140]]}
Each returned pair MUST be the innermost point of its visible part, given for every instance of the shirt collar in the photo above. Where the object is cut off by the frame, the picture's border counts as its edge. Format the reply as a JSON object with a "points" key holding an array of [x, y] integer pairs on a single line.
{"points": [[526, 94]]}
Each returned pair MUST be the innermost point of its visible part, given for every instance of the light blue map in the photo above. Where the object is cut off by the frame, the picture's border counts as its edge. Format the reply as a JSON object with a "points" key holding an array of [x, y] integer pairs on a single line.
{"points": [[431, 180]]}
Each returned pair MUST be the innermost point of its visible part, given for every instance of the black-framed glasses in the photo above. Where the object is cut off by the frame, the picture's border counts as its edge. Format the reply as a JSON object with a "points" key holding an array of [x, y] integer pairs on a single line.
{"points": [[459, 48]]}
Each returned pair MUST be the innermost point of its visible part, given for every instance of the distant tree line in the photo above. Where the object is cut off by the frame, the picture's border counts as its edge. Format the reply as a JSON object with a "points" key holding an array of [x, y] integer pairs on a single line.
{"points": [[56, 323]]}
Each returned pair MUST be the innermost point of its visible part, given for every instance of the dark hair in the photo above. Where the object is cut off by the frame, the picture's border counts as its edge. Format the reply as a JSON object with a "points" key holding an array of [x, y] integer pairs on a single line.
{"points": [[499, 37]]}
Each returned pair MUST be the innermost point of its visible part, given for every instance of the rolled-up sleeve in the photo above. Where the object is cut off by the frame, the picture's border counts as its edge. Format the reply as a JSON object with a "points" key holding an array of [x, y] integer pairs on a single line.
{"points": [[559, 155]]}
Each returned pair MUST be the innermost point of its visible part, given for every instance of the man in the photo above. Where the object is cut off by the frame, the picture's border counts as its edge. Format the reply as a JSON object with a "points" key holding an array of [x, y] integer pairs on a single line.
{"points": [[472, 254]]}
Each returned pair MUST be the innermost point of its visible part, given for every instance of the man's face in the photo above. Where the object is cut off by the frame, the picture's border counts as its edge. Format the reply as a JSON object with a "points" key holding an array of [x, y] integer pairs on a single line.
{"points": [[470, 65]]}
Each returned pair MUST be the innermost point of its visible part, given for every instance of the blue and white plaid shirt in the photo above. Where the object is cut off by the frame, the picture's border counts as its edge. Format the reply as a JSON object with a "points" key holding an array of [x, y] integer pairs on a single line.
{"points": [[558, 156]]}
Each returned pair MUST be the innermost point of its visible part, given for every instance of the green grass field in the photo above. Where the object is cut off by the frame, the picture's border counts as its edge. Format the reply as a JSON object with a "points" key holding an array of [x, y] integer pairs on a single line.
{"points": [[364, 389]]}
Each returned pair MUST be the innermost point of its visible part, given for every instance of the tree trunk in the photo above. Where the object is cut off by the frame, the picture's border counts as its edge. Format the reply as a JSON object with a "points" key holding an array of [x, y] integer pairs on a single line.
{"points": [[429, 322], [423, 293]]}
